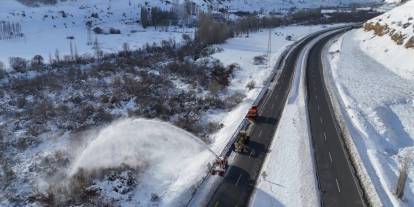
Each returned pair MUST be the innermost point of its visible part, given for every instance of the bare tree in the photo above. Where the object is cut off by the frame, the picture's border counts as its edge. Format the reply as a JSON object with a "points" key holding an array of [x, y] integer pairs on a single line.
{"points": [[2, 71]]}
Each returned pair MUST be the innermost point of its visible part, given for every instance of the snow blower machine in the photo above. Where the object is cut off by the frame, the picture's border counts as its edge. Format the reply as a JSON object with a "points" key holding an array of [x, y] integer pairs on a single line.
{"points": [[241, 145], [220, 166]]}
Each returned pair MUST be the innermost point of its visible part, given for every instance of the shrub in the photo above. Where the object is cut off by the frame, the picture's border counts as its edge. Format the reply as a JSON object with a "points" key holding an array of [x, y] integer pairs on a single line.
{"points": [[18, 64], [251, 85], [37, 62], [114, 31], [98, 30], [21, 102], [410, 43], [2, 71], [398, 38], [233, 100], [259, 60]]}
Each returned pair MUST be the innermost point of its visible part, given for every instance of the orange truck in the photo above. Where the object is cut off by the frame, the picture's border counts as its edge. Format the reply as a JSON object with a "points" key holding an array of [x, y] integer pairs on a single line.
{"points": [[253, 113]]}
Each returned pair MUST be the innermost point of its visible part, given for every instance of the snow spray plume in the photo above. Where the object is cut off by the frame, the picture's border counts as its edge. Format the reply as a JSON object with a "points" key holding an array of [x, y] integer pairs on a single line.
{"points": [[134, 142]]}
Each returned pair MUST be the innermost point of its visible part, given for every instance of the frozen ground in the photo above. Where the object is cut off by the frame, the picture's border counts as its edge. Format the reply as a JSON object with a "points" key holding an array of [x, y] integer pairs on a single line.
{"points": [[377, 105]]}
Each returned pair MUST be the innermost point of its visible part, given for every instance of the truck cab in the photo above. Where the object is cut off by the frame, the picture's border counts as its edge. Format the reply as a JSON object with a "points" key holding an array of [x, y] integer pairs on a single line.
{"points": [[252, 113]]}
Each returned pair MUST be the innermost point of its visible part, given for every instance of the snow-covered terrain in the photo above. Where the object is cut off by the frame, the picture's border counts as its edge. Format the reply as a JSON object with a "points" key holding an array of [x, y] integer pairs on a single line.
{"points": [[125, 170], [284, 5], [26, 177], [48, 31], [372, 80], [391, 34]]}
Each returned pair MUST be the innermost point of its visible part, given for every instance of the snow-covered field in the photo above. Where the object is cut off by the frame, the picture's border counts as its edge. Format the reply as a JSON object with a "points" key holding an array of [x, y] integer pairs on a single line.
{"points": [[376, 102], [47, 31]]}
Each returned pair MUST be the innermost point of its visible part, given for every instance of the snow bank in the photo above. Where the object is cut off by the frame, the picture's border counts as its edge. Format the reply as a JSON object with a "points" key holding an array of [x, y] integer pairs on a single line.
{"points": [[169, 159]]}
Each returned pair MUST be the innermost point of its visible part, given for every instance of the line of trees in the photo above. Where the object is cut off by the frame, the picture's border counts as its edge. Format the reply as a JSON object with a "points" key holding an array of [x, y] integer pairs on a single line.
{"points": [[211, 30], [10, 30], [157, 17]]}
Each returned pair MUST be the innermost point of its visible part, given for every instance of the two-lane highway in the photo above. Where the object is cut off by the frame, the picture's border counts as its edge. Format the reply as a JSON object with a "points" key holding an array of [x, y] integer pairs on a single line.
{"points": [[336, 176], [239, 181]]}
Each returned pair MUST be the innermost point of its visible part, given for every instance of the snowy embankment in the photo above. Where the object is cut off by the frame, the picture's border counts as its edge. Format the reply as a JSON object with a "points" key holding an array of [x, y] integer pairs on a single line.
{"points": [[50, 30], [376, 103]]}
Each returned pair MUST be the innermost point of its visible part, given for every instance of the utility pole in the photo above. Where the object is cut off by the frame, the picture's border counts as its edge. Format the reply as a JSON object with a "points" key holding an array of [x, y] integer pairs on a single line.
{"points": [[402, 178], [269, 49]]}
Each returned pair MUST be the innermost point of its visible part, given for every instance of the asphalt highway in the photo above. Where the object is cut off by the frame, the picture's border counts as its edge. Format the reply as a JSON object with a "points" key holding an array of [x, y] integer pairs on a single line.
{"points": [[338, 183]]}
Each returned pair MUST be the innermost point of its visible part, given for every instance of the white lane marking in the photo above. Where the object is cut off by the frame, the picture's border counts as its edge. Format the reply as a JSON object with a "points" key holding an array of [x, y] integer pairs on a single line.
{"points": [[238, 180], [251, 153], [320, 118], [260, 133], [337, 185], [316, 97], [330, 156], [324, 135]]}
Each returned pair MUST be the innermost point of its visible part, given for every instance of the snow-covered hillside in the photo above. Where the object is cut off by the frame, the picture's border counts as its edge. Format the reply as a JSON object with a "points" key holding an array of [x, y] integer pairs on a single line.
{"points": [[372, 78], [283, 5], [61, 29], [392, 34]]}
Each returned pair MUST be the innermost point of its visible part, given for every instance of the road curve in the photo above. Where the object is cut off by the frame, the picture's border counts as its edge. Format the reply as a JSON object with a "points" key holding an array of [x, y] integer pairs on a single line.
{"points": [[236, 187], [337, 180]]}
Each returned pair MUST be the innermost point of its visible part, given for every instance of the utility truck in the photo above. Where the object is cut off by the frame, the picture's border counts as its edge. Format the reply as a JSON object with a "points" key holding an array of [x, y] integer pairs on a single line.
{"points": [[241, 145], [220, 166]]}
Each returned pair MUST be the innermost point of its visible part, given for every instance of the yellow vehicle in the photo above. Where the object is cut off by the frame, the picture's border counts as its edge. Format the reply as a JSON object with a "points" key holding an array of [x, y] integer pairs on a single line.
{"points": [[240, 145]]}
